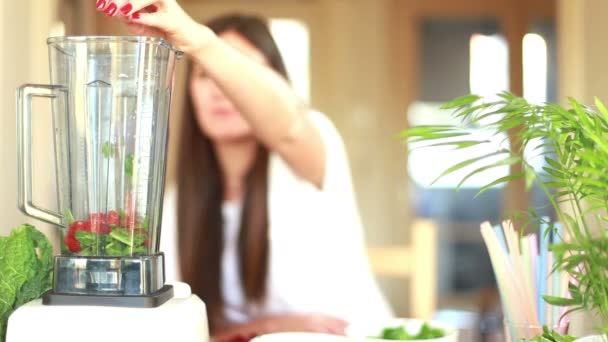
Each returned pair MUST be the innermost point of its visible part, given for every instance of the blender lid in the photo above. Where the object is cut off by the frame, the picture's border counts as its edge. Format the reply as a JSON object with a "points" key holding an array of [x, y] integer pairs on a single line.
{"points": [[115, 39]]}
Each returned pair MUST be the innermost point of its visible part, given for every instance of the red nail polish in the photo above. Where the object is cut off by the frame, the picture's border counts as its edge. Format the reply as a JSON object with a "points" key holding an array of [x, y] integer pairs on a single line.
{"points": [[111, 10], [126, 9], [135, 15], [152, 8], [100, 4]]}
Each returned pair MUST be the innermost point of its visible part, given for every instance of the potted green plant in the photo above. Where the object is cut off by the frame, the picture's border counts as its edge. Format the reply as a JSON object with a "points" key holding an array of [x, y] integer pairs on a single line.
{"points": [[573, 142]]}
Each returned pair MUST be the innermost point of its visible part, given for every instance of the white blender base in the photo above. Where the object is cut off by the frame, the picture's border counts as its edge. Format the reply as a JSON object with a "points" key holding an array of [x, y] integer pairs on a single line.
{"points": [[182, 318]]}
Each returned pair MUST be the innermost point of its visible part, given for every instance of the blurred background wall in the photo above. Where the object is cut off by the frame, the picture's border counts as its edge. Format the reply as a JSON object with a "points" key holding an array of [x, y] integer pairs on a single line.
{"points": [[374, 67], [24, 27]]}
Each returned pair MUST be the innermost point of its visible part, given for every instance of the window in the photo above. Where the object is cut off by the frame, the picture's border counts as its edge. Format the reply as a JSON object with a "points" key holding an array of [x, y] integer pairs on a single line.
{"points": [[535, 68], [488, 75], [535, 87], [489, 64]]}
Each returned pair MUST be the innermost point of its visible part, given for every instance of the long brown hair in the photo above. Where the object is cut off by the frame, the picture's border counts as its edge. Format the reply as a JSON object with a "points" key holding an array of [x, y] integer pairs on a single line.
{"points": [[201, 189]]}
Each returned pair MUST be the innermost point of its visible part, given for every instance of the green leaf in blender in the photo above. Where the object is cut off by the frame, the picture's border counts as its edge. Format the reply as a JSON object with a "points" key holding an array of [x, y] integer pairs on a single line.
{"points": [[26, 265], [87, 252], [69, 216], [145, 223], [139, 249], [108, 150], [116, 248], [122, 215], [129, 165], [118, 241], [123, 235], [86, 239]]}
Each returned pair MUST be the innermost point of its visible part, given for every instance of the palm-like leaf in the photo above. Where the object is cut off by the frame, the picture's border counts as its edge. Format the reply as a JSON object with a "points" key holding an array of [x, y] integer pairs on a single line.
{"points": [[575, 148]]}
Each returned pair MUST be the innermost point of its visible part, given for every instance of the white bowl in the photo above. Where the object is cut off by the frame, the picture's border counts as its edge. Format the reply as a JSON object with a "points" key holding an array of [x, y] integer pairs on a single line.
{"points": [[412, 326], [300, 337]]}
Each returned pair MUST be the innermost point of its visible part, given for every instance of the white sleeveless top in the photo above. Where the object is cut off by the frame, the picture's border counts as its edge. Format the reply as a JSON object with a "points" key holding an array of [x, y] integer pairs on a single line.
{"points": [[317, 257]]}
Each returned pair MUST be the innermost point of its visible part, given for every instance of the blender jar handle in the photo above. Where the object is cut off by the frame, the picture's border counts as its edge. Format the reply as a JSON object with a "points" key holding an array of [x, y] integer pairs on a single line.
{"points": [[25, 94]]}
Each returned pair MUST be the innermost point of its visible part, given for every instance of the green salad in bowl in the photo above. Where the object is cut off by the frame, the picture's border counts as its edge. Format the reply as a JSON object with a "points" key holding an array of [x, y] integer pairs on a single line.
{"points": [[399, 333], [403, 329]]}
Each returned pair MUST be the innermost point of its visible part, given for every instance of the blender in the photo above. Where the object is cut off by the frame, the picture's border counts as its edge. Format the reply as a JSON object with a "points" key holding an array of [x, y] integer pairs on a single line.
{"points": [[110, 99]]}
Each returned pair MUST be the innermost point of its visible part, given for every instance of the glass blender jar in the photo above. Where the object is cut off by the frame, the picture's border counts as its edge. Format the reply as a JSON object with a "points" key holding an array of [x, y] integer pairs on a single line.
{"points": [[110, 106]]}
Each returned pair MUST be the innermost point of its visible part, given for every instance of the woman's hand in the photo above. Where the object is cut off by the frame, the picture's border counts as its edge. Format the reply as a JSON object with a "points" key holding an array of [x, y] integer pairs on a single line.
{"points": [[163, 18], [293, 323]]}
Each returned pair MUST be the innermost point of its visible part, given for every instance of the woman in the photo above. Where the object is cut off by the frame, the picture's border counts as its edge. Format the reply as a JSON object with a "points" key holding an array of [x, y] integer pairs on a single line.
{"points": [[269, 235]]}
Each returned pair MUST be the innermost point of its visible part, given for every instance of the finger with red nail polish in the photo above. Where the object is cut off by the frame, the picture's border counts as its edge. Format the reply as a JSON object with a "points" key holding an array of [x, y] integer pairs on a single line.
{"points": [[111, 10], [136, 15], [100, 5], [126, 9]]}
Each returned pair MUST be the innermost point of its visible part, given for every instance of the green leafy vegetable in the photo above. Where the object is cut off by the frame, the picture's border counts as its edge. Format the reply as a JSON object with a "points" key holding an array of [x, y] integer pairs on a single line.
{"points": [[108, 150], [129, 166], [86, 238], [116, 249], [400, 334], [145, 223], [428, 332], [119, 242], [109, 233], [396, 333], [69, 216], [26, 265], [124, 236]]}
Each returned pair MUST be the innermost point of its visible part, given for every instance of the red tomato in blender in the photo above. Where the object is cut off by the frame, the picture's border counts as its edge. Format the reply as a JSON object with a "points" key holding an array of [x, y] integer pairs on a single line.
{"points": [[113, 218], [72, 243], [99, 224]]}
